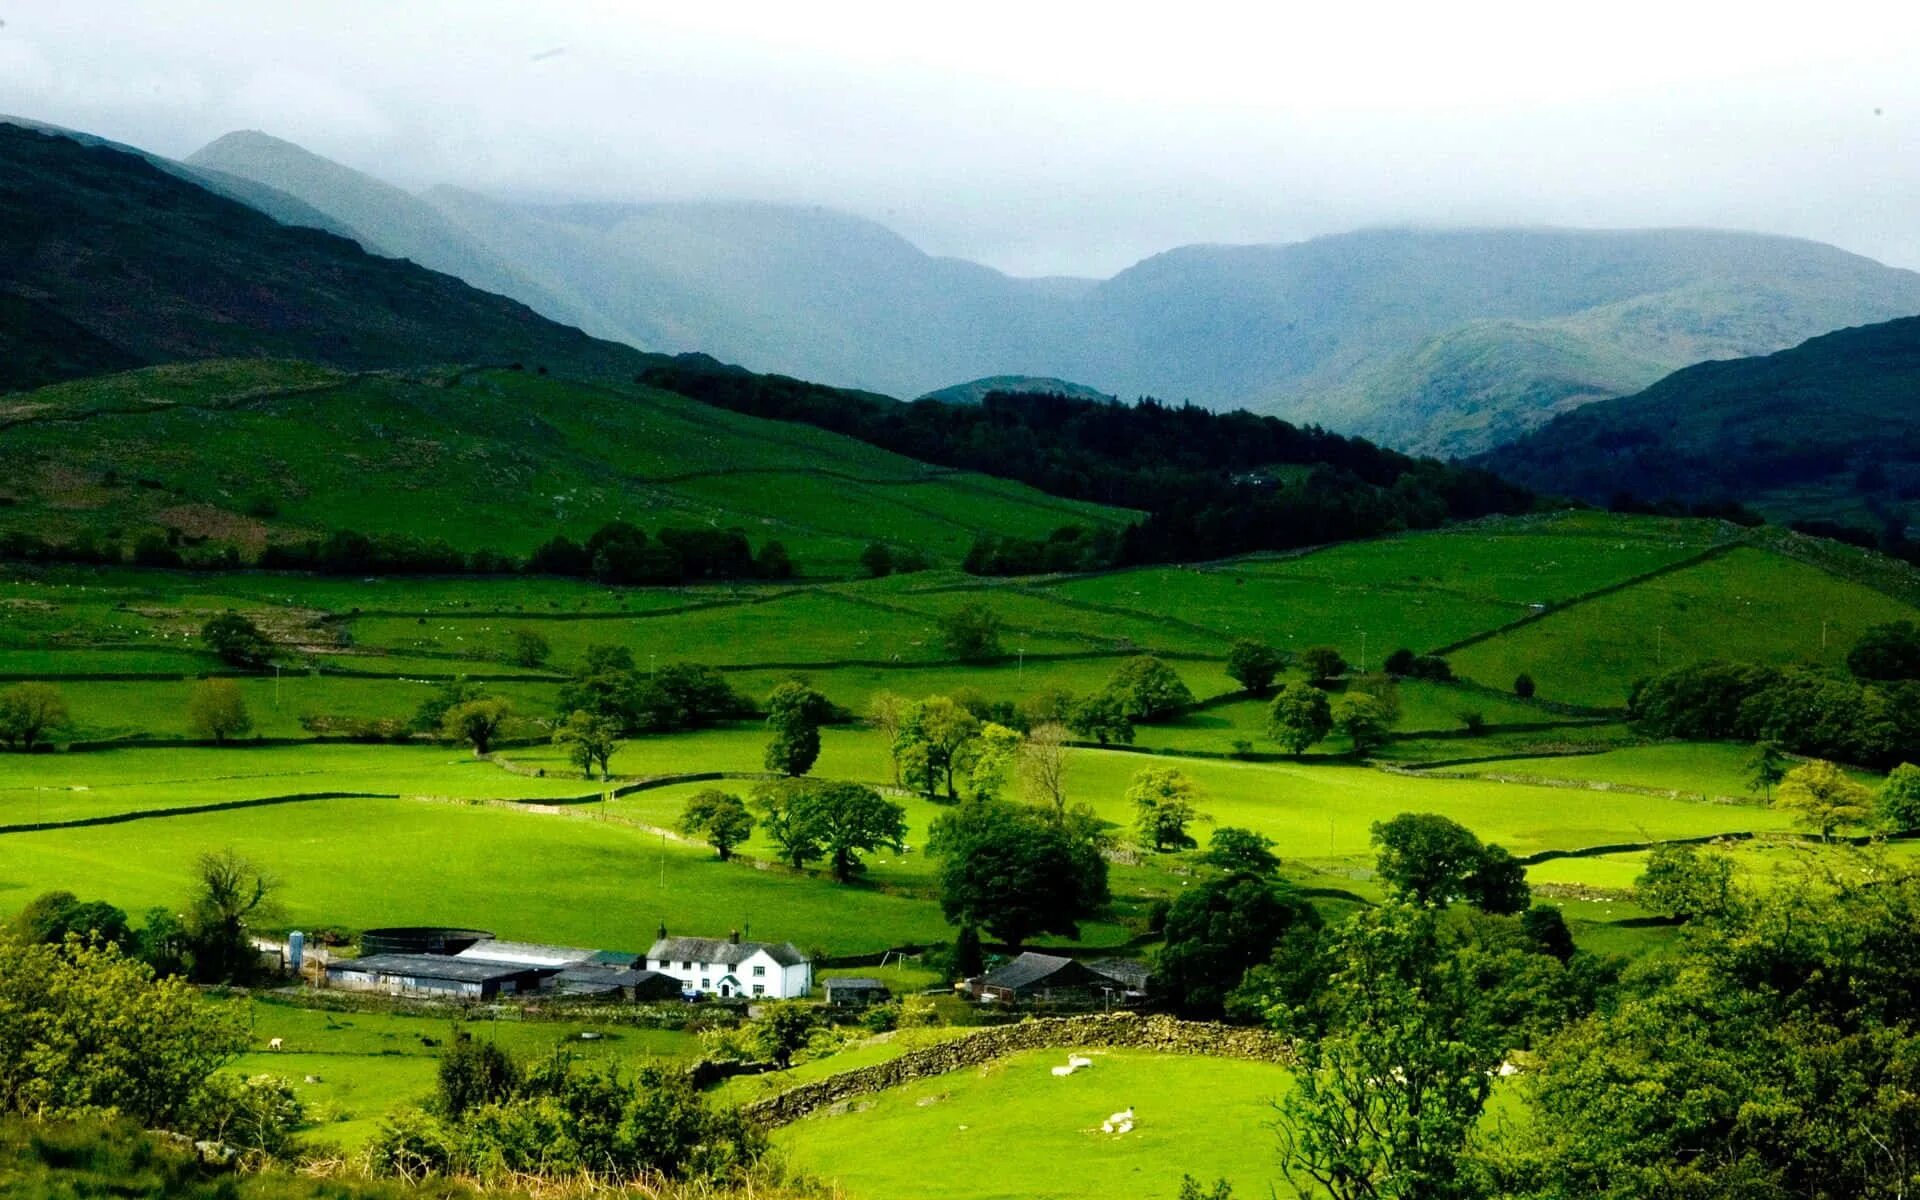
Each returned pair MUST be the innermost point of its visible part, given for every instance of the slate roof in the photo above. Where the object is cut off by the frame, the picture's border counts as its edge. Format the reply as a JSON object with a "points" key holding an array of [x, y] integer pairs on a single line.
{"points": [[720, 950], [854, 983], [1029, 969], [1128, 972], [591, 977], [429, 966]]}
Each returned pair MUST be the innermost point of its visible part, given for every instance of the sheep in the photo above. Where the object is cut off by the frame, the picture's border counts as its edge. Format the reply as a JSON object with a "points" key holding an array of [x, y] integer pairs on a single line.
{"points": [[1062, 1071], [274, 1044], [1120, 1122], [1077, 1061]]}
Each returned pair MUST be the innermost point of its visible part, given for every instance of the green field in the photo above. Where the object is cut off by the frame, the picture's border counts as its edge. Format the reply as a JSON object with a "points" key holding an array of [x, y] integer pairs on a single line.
{"points": [[1009, 1130]]}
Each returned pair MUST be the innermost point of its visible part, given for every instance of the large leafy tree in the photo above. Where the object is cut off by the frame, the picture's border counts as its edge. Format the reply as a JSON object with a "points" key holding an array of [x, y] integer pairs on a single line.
{"points": [[1365, 720], [1898, 804], [1165, 802], [476, 722], [1254, 664], [1887, 652], [788, 821], [1825, 797], [217, 710], [29, 713], [1017, 872], [1299, 716], [237, 640], [1147, 689], [229, 892], [933, 741], [851, 819], [1218, 931], [719, 817], [795, 713], [1433, 860], [972, 632], [589, 738]]}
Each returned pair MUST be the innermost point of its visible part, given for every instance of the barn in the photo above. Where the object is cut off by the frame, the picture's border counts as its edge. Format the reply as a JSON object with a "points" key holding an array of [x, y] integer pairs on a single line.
{"points": [[432, 975], [1031, 976]]}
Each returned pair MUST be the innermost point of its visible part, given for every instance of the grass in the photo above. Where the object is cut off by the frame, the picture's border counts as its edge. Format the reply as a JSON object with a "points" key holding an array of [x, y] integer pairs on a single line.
{"points": [[1011, 1131], [1749, 604], [367, 1063]]}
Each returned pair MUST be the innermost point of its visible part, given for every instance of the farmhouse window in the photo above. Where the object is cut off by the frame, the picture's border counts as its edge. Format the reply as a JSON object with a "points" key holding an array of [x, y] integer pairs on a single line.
{"points": [[759, 989], [759, 968]]}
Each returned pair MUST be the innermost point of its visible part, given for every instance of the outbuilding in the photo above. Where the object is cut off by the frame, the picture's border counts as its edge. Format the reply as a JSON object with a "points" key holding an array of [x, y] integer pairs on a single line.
{"points": [[431, 975], [1031, 976], [855, 991]]}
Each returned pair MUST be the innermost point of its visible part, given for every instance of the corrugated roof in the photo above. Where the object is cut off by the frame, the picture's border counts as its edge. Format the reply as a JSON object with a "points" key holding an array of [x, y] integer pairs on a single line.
{"points": [[530, 954], [720, 950], [429, 966], [1130, 972], [855, 983]]}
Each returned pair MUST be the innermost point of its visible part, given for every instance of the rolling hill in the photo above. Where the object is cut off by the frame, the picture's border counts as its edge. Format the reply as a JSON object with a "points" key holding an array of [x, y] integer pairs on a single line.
{"points": [[1827, 429], [1442, 342]]}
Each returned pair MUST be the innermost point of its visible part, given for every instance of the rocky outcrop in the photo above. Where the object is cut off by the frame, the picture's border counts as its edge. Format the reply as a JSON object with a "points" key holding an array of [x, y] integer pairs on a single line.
{"points": [[1159, 1034]]}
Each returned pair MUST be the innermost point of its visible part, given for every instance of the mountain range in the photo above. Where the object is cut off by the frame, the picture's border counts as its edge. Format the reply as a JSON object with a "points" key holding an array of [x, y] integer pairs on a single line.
{"points": [[1446, 342]]}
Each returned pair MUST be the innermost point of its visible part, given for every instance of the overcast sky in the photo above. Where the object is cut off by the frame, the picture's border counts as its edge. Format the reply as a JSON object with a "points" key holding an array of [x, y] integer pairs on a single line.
{"points": [[1041, 137]]}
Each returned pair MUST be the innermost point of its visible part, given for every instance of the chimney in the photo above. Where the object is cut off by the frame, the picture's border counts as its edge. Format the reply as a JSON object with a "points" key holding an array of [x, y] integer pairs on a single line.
{"points": [[733, 937], [663, 932]]}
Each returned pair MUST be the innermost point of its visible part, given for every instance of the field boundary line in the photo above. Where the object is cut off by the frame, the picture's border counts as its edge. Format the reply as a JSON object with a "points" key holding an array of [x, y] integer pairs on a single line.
{"points": [[187, 810]]}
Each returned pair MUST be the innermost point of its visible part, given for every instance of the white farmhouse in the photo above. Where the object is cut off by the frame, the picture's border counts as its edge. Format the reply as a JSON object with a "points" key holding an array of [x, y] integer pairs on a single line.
{"points": [[773, 970]]}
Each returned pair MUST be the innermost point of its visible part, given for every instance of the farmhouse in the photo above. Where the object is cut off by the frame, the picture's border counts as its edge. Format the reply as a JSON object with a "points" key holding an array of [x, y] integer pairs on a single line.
{"points": [[731, 967], [855, 991], [1033, 976], [431, 975]]}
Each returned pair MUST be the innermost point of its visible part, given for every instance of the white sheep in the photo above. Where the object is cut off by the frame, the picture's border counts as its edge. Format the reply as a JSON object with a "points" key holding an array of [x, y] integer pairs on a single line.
{"points": [[1120, 1122], [1062, 1071], [274, 1044], [1077, 1061]]}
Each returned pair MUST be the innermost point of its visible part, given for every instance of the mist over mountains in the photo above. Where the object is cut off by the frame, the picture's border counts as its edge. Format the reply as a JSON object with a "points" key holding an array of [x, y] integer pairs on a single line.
{"points": [[1446, 342]]}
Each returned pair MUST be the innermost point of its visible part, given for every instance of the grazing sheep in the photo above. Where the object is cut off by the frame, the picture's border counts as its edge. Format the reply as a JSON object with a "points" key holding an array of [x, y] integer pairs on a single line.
{"points": [[1120, 1122], [274, 1044], [1062, 1071], [1077, 1061]]}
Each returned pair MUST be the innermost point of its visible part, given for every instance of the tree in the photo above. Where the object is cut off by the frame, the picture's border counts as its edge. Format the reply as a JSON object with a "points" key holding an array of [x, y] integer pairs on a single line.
{"points": [[217, 710], [589, 738], [1163, 802], [933, 741], [475, 1072], [782, 1030], [1364, 720], [886, 711], [29, 712], [1433, 860], [1399, 664], [237, 640], [530, 648], [990, 757], [1103, 718], [1898, 805], [87, 1033], [1253, 664], [877, 559], [1148, 689], [850, 819], [52, 917], [1016, 872], [1886, 652], [476, 722], [772, 561], [795, 713], [1685, 882], [1218, 931], [972, 632], [1043, 766], [228, 889], [433, 710], [1393, 1079], [1241, 852], [1382, 689], [1323, 665], [788, 820], [1523, 686], [718, 817], [1546, 926], [1825, 797], [1766, 767], [1299, 716]]}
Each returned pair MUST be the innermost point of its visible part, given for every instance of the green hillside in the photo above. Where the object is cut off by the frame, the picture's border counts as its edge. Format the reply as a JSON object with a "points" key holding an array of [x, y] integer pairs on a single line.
{"points": [[108, 262], [258, 453], [1825, 429]]}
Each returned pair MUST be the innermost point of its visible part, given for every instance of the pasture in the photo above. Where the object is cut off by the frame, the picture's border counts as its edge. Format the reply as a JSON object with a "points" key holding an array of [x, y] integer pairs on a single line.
{"points": [[1009, 1130]]}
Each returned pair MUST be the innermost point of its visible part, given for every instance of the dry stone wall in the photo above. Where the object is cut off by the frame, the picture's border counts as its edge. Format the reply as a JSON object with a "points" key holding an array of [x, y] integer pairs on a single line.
{"points": [[1130, 1031]]}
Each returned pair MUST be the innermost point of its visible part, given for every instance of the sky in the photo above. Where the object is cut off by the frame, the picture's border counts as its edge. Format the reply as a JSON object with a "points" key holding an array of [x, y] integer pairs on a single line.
{"points": [[1047, 137]]}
